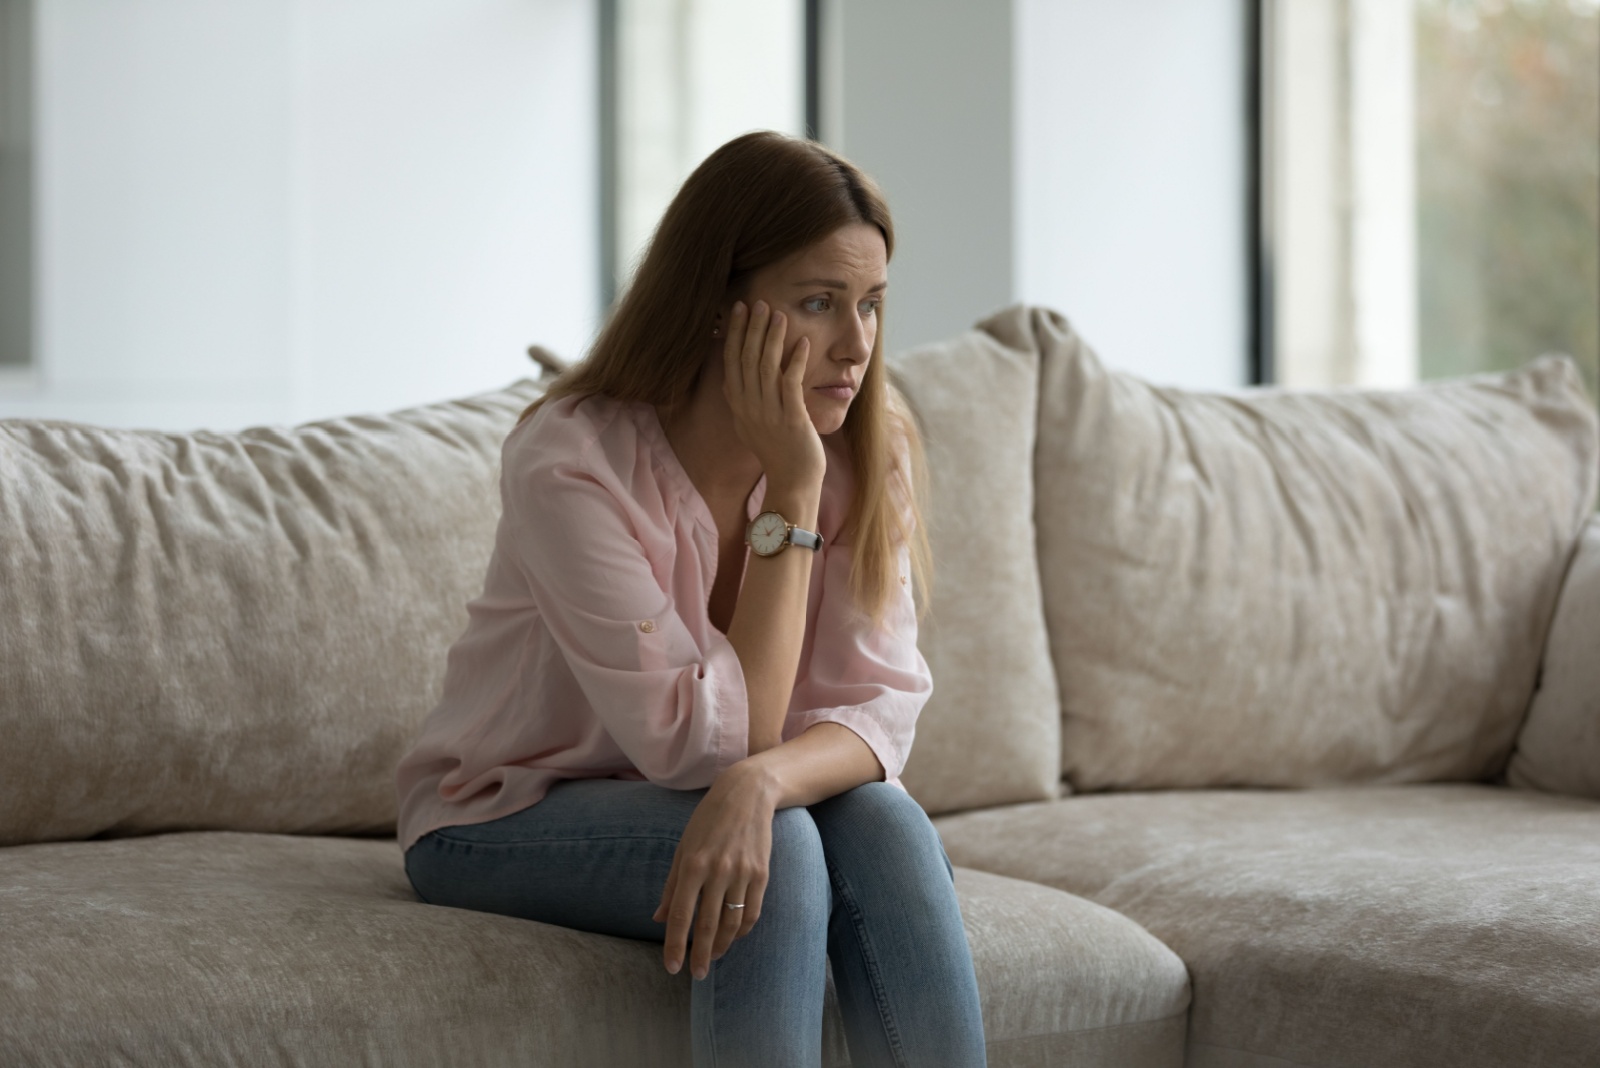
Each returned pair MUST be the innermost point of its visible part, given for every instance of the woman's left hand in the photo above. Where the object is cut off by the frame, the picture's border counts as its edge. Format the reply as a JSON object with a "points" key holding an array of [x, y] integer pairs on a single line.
{"points": [[722, 858]]}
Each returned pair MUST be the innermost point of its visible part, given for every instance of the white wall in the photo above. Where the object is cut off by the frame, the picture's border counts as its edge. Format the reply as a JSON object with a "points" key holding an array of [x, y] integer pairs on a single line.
{"points": [[161, 141], [1131, 172], [277, 210]]}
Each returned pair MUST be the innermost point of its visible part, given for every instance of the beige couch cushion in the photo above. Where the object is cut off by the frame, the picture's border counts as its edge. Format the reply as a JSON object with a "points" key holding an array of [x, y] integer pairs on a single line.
{"points": [[1431, 926], [224, 948], [1298, 588], [1559, 747], [233, 630], [991, 731]]}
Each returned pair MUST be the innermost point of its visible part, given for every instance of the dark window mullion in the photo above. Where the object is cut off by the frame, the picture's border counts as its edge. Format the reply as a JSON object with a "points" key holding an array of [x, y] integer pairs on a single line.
{"points": [[1259, 232]]}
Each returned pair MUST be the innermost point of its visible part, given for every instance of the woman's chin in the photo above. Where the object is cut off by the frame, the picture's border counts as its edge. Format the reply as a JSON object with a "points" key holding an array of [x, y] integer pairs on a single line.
{"points": [[828, 422]]}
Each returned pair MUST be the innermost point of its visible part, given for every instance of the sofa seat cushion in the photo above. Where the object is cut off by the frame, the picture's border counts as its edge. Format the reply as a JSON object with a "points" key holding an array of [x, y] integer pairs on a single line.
{"points": [[220, 947], [1447, 924]]}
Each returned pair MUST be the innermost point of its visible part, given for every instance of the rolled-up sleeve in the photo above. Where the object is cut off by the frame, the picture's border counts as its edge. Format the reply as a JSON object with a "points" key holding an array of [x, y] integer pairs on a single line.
{"points": [[874, 682], [676, 710]]}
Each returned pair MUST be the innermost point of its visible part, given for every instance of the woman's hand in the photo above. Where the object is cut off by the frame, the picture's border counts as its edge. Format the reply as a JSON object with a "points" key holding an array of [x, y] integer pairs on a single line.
{"points": [[721, 858], [768, 402]]}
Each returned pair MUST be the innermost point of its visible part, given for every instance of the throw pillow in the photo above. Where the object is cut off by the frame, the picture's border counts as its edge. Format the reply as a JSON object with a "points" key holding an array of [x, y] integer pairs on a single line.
{"points": [[1297, 588], [233, 630], [1558, 750], [990, 732]]}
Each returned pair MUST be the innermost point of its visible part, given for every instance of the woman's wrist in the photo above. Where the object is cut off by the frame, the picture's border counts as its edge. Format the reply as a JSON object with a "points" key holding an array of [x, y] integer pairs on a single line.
{"points": [[798, 502], [823, 760], [754, 781]]}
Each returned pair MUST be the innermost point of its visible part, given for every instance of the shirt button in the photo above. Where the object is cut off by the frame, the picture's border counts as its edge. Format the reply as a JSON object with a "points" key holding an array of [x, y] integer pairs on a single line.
{"points": [[902, 580], [648, 626]]}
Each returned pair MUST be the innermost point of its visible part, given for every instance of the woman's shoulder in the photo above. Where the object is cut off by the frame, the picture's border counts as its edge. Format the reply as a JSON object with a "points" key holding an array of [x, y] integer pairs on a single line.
{"points": [[577, 429]]}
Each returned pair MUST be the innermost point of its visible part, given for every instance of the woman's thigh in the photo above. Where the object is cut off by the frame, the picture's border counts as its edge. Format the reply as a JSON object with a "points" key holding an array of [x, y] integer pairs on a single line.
{"points": [[592, 855]]}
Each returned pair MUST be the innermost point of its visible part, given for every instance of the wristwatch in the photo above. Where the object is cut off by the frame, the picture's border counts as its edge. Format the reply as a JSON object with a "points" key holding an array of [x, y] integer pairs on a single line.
{"points": [[769, 534]]}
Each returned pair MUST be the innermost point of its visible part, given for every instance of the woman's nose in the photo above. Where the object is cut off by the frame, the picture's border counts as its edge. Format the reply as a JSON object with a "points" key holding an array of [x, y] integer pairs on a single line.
{"points": [[858, 340]]}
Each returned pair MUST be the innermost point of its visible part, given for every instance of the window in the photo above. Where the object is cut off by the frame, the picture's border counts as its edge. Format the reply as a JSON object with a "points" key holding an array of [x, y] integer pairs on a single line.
{"points": [[1430, 187], [681, 77]]}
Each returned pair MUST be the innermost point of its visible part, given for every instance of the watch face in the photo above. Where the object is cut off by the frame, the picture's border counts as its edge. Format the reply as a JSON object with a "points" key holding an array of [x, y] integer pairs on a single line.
{"points": [[768, 533]]}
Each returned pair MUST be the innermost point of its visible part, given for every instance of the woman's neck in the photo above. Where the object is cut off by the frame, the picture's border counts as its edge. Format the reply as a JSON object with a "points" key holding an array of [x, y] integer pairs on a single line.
{"points": [[702, 435]]}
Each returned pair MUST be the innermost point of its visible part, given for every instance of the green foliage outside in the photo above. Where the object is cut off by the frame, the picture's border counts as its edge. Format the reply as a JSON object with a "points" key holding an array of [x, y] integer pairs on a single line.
{"points": [[1508, 184]]}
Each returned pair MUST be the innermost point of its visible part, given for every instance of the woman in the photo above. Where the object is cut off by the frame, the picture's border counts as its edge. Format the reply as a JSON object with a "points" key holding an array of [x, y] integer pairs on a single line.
{"points": [[682, 702]]}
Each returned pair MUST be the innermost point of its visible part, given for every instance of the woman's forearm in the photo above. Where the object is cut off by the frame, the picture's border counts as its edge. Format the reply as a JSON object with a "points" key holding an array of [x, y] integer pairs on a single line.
{"points": [[826, 759], [769, 619]]}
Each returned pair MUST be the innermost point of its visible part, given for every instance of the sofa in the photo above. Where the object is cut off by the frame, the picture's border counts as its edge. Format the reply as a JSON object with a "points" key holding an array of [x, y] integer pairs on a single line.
{"points": [[1265, 729]]}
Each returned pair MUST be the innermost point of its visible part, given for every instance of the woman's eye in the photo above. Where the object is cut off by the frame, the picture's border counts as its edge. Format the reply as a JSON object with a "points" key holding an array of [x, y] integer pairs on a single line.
{"points": [[870, 307]]}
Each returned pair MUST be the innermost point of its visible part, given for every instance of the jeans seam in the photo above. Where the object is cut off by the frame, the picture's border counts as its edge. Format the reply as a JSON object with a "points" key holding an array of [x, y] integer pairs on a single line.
{"points": [[874, 973]]}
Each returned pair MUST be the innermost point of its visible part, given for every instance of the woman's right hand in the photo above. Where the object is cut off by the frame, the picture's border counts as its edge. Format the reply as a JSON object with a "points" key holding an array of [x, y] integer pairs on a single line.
{"points": [[722, 858], [768, 402]]}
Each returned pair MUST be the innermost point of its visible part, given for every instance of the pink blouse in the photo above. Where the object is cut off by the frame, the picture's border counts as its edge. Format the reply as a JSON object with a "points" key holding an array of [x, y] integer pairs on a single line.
{"points": [[591, 652]]}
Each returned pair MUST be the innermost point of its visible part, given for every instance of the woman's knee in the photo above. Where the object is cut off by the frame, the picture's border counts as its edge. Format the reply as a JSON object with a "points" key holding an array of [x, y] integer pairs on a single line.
{"points": [[797, 870], [877, 805], [877, 821]]}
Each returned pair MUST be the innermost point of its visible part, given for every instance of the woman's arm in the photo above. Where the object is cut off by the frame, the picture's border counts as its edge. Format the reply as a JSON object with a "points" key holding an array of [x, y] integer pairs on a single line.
{"points": [[769, 411], [769, 618], [827, 759]]}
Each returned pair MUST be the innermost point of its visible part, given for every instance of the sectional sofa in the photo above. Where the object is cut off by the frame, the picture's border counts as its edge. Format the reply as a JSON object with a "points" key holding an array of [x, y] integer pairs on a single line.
{"points": [[1265, 731]]}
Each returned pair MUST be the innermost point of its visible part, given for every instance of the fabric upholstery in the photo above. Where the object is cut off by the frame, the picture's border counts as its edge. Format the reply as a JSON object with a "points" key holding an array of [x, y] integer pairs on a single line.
{"points": [[209, 948], [1298, 588], [1448, 925], [1559, 747], [990, 732], [233, 630]]}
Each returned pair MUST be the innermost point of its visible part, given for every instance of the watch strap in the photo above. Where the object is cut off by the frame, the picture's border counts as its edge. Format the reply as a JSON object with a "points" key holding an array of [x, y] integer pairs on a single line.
{"points": [[806, 539]]}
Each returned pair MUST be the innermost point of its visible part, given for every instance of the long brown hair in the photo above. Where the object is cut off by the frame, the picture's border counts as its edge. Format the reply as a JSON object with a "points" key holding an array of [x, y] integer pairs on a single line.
{"points": [[759, 198]]}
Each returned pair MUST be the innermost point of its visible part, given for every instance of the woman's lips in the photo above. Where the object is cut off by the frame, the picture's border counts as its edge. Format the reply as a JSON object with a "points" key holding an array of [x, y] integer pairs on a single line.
{"points": [[836, 392]]}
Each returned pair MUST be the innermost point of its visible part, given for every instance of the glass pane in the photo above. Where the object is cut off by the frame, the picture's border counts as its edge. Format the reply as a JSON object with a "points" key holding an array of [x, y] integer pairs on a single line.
{"points": [[1508, 183], [1432, 187], [692, 74]]}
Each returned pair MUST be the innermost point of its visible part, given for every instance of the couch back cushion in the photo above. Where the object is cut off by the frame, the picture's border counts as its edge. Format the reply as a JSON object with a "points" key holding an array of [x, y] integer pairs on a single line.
{"points": [[991, 731], [233, 630], [1297, 588], [1558, 749]]}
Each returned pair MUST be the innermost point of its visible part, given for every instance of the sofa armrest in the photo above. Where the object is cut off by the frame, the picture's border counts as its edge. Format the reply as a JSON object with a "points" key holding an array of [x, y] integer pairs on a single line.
{"points": [[1558, 749]]}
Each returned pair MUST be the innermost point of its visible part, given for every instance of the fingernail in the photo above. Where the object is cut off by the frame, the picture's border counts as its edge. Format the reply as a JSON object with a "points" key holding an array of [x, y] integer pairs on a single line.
{"points": [[738, 305], [673, 966], [699, 973]]}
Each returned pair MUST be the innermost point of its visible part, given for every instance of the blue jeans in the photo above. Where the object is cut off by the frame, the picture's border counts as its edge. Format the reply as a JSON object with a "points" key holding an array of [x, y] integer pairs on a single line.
{"points": [[861, 879]]}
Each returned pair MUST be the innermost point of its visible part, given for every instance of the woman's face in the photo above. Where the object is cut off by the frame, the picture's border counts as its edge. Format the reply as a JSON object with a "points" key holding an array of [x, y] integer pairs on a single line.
{"points": [[828, 293]]}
